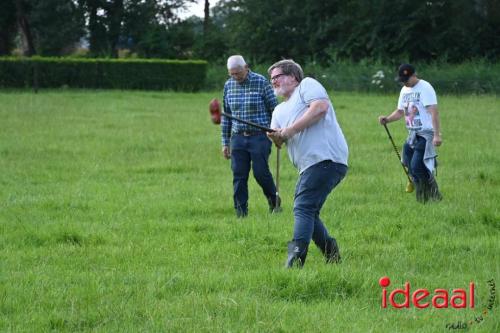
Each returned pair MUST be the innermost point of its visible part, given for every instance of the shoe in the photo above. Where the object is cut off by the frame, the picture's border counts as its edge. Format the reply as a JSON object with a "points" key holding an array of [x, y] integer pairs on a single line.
{"points": [[434, 193], [297, 253], [331, 251], [427, 190], [241, 213], [422, 192], [274, 205], [276, 210]]}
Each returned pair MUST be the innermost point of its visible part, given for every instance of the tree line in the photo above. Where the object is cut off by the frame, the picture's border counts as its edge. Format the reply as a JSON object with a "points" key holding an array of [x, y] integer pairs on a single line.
{"points": [[306, 30]]}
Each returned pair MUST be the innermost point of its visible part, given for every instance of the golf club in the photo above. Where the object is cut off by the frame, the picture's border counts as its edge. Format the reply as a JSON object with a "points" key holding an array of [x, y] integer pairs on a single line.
{"points": [[266, 129], [277, 208], [409, 186]]}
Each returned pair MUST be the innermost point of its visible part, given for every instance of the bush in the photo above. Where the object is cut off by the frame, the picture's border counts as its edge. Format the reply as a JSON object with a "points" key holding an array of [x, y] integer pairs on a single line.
{"points": [[469, 77], [103, 73], [477, 77]]}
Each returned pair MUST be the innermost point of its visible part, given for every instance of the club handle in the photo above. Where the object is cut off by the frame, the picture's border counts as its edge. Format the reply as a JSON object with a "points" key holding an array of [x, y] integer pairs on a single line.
{"points": [[397, 153], [264, 128]]}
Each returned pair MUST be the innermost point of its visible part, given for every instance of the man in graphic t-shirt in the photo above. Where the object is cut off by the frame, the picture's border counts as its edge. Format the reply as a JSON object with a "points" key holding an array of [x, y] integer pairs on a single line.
{"points": [[418, 104]]}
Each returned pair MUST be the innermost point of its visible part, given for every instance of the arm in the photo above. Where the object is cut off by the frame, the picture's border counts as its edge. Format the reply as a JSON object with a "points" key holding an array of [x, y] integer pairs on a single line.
{"points": [[396, 115], [226, 128], [317, 110], [436, 125], [276, 137]]}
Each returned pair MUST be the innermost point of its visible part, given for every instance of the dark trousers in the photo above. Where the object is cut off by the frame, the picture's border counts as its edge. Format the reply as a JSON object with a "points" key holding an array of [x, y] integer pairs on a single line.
{"points": [[312, 189], [250, 152], [415, 159]]}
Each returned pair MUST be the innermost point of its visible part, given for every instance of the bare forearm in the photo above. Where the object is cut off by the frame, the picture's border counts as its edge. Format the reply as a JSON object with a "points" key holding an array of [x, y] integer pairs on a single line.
{"points": [[396, 115], [436, 124]]}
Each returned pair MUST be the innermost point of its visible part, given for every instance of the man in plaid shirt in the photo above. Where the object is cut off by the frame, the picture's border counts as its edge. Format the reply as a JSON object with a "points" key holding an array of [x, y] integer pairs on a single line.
{"points": [[249, 96]]}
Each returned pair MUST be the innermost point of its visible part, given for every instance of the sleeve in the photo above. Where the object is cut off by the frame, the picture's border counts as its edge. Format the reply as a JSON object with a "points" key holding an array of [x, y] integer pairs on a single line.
{"points": [[226, 123], [429, 96], [275, 123], [400, 105], [311, 90]]}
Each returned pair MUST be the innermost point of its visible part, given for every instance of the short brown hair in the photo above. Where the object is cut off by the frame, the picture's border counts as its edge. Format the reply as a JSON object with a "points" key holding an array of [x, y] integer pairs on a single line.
{"points": [[288, 67]]}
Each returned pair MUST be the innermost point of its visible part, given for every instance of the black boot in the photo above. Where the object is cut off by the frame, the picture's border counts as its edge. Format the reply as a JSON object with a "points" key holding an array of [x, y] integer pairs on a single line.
{"points": [[421, 190], [297, 253], [241, 210], [434, 193], [240, 213], [427, 190], [331, 251], [274, 204]]}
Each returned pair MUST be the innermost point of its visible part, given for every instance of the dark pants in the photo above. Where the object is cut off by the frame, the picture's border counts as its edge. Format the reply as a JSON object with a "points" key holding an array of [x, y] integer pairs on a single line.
{"points": [[425, 183], [313, 187], [415, 159], [251, 152]]}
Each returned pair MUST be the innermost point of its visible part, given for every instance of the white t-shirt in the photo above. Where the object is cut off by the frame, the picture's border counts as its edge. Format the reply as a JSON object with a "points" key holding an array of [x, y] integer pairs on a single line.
{"points": [[413, 101], [322, 141]]}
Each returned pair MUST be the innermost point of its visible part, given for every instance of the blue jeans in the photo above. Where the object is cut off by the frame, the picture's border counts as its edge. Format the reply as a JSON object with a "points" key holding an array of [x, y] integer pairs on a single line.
{"points": [[415, 159], [313, 187], [251, 152]]}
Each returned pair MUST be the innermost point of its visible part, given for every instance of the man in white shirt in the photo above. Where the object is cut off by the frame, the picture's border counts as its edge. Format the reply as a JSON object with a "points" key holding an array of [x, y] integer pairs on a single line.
{"points": [[418, 104], [306, 122]]}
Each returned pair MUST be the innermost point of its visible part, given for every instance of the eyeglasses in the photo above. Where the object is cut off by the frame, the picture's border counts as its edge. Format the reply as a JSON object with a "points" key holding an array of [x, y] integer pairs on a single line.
{"points": [[276, 77]]}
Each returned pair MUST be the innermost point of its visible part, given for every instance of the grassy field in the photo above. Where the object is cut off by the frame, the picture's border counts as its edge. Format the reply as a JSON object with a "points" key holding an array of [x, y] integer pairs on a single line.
{"points": [[116, 216]]}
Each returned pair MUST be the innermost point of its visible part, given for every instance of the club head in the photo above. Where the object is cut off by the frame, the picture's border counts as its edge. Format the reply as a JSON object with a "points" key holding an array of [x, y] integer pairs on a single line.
{"points": [[277, 209], [409, 187], [215, 113]]}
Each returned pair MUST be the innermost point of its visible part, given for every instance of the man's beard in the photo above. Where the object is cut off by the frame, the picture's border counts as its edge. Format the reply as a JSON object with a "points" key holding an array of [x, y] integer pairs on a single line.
{"points": [[285, 88], [278, 91]]}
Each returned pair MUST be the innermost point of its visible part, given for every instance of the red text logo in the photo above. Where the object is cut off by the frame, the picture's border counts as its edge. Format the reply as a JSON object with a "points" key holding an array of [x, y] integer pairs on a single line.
{"points": [[423, 298]]}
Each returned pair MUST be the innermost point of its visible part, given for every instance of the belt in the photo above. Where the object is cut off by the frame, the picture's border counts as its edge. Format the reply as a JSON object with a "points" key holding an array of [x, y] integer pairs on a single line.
{"points": [[248, 133]]}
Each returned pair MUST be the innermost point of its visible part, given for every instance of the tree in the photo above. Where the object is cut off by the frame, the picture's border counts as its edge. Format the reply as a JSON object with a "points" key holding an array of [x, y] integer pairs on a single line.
{"points": [[56, 25], [8, 26], [489, 30], [115, 11], [23, 21], [266, 31], [95, 12], [206, 17], [384, 30], [136, 24], [47, 27]]}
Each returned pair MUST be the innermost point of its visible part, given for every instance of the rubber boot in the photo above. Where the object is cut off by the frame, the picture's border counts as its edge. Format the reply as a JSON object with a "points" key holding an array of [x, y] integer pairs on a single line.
{"points": [[427, 190], [241, 210], [422, 192], [241, 213], [330, 250], [297, 253], [434, 193]]}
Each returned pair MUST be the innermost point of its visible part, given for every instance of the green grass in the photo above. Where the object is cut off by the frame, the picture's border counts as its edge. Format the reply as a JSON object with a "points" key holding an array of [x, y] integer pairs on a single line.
{"points": [[116, 215]]}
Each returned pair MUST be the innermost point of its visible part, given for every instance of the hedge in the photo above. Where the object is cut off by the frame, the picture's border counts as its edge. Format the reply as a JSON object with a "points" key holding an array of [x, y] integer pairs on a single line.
{"points": [[147, 74], [476, 77]]}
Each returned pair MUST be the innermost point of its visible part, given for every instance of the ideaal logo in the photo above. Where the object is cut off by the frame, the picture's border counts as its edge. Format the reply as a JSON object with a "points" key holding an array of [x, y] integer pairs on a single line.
{"points": [[422, 298], [477, 319], [440, 299]]}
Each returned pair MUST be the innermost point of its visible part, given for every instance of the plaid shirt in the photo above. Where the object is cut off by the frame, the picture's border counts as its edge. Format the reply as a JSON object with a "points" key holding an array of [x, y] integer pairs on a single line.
{"points": [[252, 100]]}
